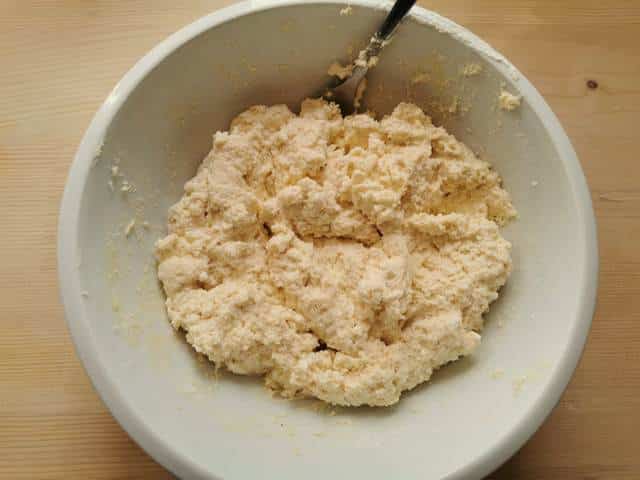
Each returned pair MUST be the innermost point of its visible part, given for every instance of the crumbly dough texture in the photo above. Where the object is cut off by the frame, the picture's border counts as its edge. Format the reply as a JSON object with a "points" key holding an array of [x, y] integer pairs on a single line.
{"points": [[343, 258]]}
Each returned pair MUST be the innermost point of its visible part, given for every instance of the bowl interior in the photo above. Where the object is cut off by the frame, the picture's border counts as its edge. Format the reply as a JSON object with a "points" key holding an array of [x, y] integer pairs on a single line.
{"points": [[229, 426]]}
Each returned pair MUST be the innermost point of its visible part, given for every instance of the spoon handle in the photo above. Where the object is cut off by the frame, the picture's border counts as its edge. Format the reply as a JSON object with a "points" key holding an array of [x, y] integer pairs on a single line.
{"points": [[397, 13]]}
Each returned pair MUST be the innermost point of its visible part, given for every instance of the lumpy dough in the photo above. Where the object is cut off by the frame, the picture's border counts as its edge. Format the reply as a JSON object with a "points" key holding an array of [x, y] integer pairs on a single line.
{"points": [[342, 258]]}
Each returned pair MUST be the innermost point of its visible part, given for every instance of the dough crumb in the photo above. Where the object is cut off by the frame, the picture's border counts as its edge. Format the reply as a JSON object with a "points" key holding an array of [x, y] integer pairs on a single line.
{"points": [[97, 154], [364, 60], [348, 10], [127, 187], [518, 384], [342, 258], [471, 69], [508, 101], [420, 77], [129, 227], [340, 71], [534, 183], [453, 107]]}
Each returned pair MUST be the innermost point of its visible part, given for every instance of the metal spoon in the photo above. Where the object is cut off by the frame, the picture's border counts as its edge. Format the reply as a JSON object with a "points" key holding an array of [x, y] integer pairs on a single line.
{"points": [[344, 91]]}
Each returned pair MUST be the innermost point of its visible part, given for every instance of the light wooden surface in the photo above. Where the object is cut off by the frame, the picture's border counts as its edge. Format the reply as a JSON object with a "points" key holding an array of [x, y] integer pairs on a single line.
{"points": [[58, 61]]}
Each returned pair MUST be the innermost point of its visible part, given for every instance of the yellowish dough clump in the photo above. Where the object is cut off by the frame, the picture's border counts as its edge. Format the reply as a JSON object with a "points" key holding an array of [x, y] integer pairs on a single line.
{"points": [[343, 258]]}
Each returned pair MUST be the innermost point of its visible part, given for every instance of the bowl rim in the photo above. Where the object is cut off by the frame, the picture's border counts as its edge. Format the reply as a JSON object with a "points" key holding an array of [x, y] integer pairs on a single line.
{"points": [[69, 257]]}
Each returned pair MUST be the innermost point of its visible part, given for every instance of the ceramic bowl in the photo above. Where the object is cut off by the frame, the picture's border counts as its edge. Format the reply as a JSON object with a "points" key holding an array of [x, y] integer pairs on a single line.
{"points": [[147, 140]]}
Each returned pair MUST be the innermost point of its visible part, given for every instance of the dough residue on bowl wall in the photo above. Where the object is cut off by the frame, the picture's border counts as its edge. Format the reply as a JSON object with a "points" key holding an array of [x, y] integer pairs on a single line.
{"points": [[471, 69], [338, 70], [508, 101], [343, 258]]}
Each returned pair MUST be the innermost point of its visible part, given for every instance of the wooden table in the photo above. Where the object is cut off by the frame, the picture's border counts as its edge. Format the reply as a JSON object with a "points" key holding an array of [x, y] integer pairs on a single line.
{"points": [[58, 61]]}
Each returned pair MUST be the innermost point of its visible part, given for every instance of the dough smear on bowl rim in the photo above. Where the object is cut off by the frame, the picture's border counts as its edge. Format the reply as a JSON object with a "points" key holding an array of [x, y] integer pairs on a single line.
{"points": [[343, 258]]}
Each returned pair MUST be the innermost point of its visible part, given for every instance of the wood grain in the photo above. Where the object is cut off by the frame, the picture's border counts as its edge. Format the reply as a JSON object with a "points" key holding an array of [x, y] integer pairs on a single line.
{"points": [[58, 61]]}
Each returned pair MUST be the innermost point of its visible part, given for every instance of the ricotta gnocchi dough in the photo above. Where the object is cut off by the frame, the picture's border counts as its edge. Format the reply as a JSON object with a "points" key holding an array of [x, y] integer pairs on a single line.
{"points": [[342, 258]]}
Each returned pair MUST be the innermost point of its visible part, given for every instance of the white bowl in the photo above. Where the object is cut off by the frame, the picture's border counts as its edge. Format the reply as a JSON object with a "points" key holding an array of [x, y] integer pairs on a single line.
{"points": [[157, 123]]}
